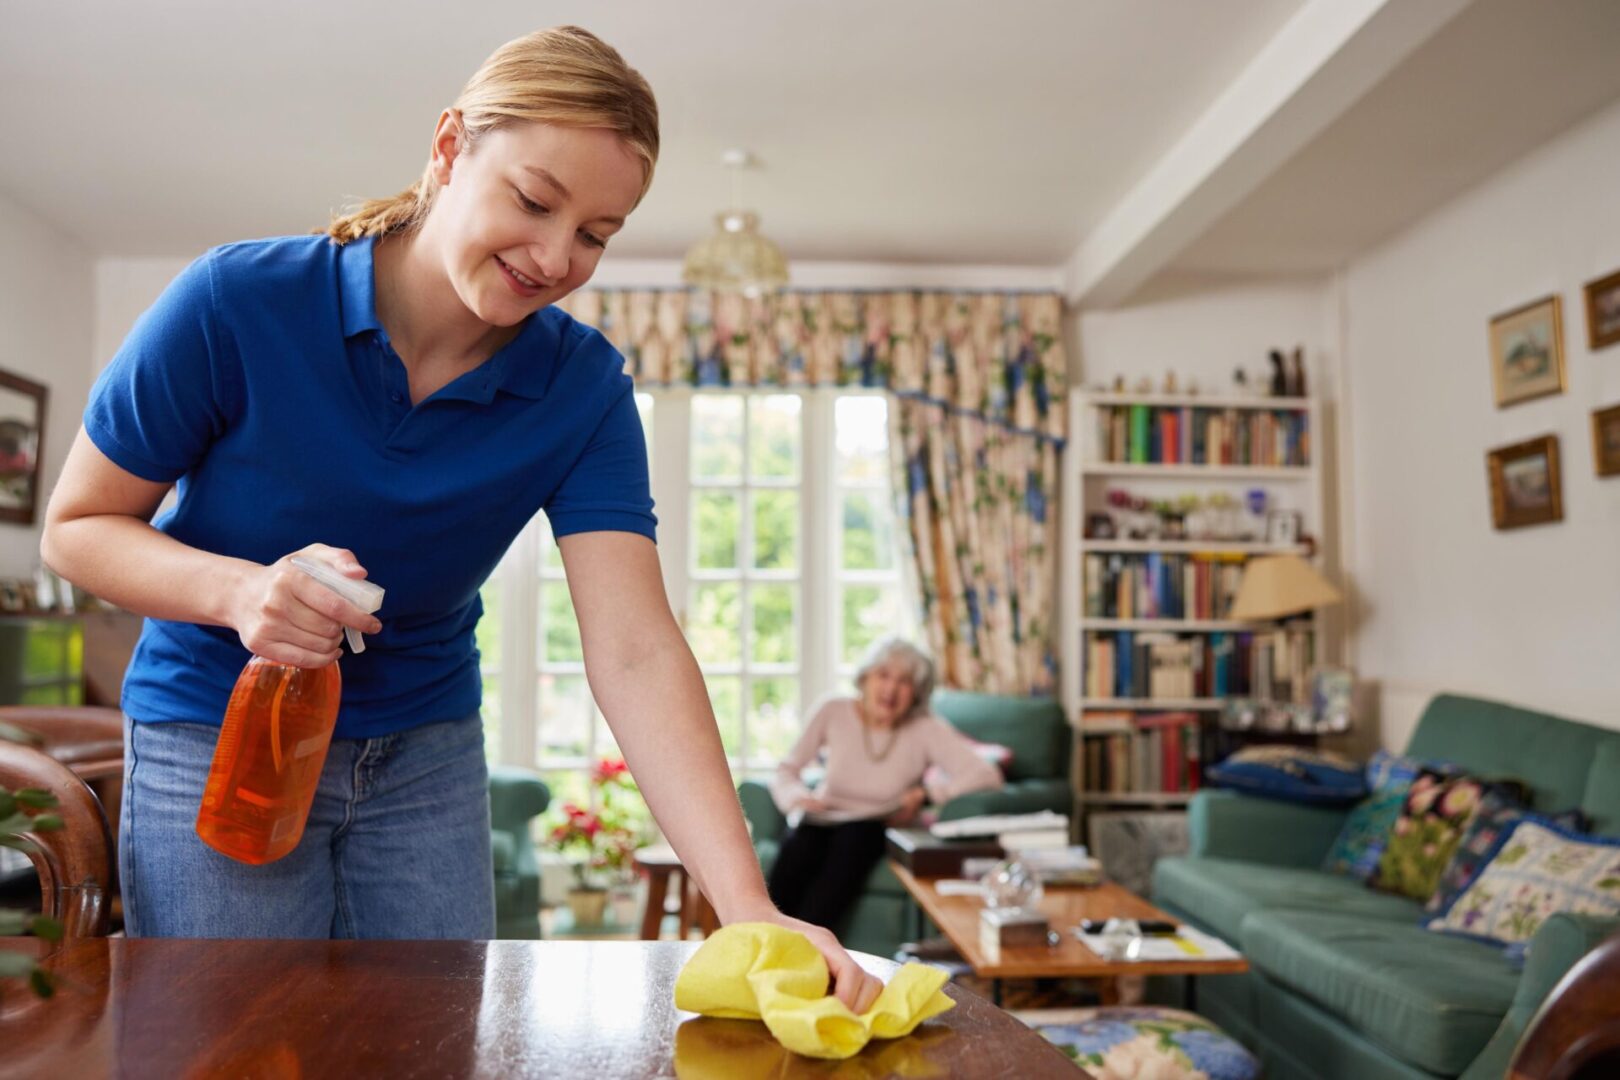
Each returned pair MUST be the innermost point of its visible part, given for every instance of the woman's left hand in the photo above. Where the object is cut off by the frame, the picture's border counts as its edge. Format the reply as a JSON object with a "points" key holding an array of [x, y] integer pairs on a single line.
{"points": [[910, 803], [854, 987]]}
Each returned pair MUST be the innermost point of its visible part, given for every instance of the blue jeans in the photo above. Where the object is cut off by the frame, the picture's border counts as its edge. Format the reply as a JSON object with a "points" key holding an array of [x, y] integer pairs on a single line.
{"points": [[397, 844]]}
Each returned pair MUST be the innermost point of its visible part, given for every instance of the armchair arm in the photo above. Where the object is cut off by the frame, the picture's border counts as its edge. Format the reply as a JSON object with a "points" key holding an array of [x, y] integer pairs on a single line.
{"points": [[1234, 826], [1557, 946], [1018, 797], [765, 820], [515, 796]]}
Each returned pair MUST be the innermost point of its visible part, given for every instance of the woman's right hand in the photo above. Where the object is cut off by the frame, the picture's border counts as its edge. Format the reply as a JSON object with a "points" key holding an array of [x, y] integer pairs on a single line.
{"points": [[284, 615]]}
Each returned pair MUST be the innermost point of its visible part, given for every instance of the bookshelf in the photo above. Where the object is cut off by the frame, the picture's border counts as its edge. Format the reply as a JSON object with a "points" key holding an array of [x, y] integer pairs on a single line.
{"points": [[1171, 592]]}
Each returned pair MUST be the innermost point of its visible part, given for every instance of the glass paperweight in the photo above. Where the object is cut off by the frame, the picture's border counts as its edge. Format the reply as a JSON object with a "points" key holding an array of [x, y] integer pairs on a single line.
{"points": [[1010, 884]]}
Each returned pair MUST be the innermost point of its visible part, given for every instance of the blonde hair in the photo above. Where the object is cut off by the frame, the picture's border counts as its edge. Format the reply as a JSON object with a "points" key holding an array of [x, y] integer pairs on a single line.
{"points": [[564, 76]]}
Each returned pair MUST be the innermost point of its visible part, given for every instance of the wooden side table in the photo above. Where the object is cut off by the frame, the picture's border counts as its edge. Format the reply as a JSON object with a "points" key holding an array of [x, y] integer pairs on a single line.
{"points": [[663, 868]]}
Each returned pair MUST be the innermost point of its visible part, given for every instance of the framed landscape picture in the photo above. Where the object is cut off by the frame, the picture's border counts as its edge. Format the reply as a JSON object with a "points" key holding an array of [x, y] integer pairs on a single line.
{"points": [[1525, 484], [1606, 441], [1527, 352], [1603, 311]]}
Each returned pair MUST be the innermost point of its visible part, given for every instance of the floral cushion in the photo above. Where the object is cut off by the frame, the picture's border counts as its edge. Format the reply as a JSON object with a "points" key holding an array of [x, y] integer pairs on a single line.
{"points": [[1366, 831], [1537, 870], [1437, 811], [1120, 1042], [1496, 817]]}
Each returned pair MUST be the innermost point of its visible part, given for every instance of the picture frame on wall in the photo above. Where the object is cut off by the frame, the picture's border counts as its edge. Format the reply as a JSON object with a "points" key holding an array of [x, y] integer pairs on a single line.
{"points": [[1603, 311], [1606, 441], [1526, 485], [22, 438], [1527, 352]]}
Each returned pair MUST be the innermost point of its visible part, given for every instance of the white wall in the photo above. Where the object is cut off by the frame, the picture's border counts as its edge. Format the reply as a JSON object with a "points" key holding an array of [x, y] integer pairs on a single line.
{"points": [[45, 309], [125, 288], [1445, 601]]}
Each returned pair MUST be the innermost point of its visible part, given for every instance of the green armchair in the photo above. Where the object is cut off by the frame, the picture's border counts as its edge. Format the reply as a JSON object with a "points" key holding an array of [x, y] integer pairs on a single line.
{"points": [[516, 797], [1037, 779]]}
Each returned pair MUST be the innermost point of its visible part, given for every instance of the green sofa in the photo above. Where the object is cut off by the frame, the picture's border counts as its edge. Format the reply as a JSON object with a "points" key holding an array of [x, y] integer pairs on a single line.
{"points": [[516, 796], [1037, 779], [1344, 983]]}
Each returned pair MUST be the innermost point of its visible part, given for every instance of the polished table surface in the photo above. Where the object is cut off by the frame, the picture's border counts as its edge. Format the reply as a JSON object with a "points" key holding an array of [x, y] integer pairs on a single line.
{"points": [[291, 1010]]}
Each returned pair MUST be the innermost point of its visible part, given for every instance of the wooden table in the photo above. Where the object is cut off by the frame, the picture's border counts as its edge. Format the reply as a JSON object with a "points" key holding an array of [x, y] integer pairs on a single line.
{"points": [[958, 918], [663, 869], [300, 1010]]}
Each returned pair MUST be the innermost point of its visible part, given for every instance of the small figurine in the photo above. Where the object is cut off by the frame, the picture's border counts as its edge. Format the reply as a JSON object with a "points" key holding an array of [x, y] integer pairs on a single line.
{"points": [[1169, 382], [1279, 374], [1240, 382], [1119, 384], [1296, 373], [1144, 385]]}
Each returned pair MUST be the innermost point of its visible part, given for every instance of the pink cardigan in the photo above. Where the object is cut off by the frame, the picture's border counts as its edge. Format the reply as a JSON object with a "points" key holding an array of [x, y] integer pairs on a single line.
{"points": [[856, 783]]}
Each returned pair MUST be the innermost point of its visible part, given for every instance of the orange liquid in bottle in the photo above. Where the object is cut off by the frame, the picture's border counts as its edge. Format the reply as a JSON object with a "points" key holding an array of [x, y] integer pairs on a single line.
{"points": [[268, 761]]}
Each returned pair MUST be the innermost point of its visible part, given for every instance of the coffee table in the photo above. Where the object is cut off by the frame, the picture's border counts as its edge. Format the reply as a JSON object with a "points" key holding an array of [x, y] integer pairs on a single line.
{"points": [[958, 918]]}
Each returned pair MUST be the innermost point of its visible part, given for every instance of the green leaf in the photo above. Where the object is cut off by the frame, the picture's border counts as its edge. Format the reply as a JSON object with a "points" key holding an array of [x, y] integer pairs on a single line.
{"points": [[14, 963], [47, 822], [49, 929], [15, 842], [8, 804], [42, 983], [12, 922], [12, 733], [36, 798]]}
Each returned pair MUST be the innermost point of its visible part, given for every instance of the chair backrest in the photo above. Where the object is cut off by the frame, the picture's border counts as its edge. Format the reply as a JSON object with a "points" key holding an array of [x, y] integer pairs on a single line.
{"points": [[1032, 727], [88, 739], [1576, 1033], [74, 862]]}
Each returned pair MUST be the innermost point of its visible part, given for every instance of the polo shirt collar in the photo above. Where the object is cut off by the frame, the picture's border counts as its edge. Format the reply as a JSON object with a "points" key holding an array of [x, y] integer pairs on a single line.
{"points": [[519, 368]]}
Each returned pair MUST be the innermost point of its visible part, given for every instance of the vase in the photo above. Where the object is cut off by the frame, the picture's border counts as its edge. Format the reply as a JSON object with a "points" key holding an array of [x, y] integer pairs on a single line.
{"points": [[587, 906]]}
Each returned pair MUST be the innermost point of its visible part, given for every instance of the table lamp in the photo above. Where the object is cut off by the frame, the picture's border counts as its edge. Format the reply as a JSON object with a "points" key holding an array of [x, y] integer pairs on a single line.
{"points": [[1277, 586]]}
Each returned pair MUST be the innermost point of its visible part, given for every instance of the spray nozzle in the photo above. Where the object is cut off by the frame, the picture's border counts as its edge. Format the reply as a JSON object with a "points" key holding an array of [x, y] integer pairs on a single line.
{"points": [[362, 594]]}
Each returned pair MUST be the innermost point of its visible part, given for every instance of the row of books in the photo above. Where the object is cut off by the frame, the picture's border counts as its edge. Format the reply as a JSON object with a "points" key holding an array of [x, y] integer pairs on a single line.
{"points": [[1272, 665], [1159, 665], [1198, 586], [1202, 435], [1154, 752]]}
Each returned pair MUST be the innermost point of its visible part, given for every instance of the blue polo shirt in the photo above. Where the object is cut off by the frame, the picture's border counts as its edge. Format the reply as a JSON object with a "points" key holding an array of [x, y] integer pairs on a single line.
{"points": [[263, 385]]}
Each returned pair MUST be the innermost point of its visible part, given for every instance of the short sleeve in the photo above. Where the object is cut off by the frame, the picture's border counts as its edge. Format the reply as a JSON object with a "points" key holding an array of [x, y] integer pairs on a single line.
{"points": [[164, 397], [608, 489]]}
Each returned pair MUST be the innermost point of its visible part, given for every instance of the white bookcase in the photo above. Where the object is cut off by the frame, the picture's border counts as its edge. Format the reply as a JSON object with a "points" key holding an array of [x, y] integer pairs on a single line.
{"points": [[1087, 479]]}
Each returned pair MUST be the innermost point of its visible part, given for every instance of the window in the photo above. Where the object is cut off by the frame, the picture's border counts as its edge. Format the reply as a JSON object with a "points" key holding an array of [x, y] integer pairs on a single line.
{"points": [[780, 555]]}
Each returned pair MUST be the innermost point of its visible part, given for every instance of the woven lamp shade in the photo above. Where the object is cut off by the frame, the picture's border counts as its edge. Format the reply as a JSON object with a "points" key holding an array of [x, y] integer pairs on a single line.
{"points": [[1276, 586], [736, 258]]}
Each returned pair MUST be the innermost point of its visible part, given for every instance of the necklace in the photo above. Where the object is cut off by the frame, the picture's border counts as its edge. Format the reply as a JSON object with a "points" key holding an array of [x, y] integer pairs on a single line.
{"points": [[866, 740]]}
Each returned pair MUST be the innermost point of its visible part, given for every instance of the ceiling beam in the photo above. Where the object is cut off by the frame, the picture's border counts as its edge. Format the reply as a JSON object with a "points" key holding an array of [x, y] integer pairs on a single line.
{"points": [[1318, 65]]}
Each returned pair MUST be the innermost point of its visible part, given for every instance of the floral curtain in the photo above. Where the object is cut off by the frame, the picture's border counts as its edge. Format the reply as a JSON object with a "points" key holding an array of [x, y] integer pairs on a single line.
{"points": [[978, 423]]}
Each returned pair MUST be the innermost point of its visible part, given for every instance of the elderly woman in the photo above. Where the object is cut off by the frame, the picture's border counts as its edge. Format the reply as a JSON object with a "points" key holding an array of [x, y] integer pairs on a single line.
{"points": [[885, 755]]}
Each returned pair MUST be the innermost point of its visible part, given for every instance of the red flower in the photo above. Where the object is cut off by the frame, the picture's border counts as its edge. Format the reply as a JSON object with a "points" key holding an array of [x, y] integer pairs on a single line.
{"points": [[608, 770]]}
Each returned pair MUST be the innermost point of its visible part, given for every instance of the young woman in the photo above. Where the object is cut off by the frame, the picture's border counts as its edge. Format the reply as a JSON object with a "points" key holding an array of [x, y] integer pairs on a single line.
{"points": [[397, 396], [880, 747]]}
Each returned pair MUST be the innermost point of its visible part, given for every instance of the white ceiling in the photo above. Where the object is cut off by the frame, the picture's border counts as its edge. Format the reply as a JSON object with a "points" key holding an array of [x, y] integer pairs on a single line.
{"points": [[1501, 78], [900, 131]]}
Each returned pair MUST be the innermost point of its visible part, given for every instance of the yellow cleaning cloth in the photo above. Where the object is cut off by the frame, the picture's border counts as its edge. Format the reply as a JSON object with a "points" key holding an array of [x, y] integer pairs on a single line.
{"points": [[759, 971]]}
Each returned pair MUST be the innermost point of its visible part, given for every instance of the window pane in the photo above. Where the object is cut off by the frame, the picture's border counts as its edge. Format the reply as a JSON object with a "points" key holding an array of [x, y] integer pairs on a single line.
{"points": [[717, 426], [868, 532], [862, 424], [606, 744], [724, 694], [716, 525], [566, 710], [773, 437], [773, 718], [560, 628], [567, 786], [776, 530], [870, 612], [714, 624], [775, 641], [550, 557], [487, 636]]}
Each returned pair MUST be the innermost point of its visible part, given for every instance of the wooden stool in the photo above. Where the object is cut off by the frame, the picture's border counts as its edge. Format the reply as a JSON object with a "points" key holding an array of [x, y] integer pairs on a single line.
{"points": [[662, 866]]}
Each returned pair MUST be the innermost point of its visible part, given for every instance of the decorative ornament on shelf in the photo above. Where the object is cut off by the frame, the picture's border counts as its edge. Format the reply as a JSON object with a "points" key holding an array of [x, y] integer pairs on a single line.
{"points": [[736, 257]]}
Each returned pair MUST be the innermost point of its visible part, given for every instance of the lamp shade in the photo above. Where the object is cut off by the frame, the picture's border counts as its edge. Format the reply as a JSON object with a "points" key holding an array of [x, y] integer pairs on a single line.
{"points": [[736, 257], [1276, 586]]}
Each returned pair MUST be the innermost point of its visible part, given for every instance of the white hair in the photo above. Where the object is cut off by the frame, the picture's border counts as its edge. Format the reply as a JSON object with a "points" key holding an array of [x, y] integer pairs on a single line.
{"points": [[919, 669]]}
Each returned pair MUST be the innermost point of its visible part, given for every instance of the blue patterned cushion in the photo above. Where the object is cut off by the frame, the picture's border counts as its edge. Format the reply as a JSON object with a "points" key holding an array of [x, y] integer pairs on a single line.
{"points": [[1144, 1041], [1292, 774], [1365, 834], [1385, 769]]}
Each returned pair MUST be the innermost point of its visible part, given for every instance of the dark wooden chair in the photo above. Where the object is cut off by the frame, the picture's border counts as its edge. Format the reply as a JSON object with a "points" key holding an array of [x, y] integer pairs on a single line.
{"points": [[1576, 1033], [74, 863]]}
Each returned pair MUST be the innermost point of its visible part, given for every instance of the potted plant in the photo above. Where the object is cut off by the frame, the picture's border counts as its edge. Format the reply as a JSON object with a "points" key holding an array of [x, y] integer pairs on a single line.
{"points": [[600, 843]]}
